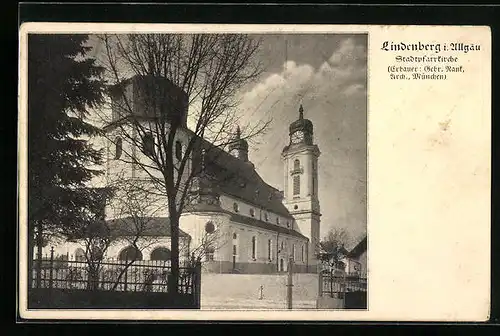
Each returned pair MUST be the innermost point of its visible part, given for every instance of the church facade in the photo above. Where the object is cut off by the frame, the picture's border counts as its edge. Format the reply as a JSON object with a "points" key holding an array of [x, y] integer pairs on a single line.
{"points": [[239, 222]]}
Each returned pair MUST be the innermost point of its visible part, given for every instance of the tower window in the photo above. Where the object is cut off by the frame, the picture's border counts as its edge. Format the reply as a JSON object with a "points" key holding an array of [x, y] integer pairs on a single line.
{"points": [[148, 143], [269, 249], [254, 247], [118, 148], [178, 150], [296, 185], [296, 164]]}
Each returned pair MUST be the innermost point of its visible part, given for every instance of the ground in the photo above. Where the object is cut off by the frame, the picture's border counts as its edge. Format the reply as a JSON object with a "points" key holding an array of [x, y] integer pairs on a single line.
{"points": [[243, 291]]}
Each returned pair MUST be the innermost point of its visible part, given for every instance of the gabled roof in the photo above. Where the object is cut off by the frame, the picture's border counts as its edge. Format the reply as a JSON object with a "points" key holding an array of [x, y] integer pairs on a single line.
{"points": [[359, 249], [146, 226], [265, 225]]}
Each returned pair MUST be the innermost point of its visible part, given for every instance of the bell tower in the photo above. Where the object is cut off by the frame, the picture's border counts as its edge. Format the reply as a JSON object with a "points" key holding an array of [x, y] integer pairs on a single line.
{"points": [[300, 161]]}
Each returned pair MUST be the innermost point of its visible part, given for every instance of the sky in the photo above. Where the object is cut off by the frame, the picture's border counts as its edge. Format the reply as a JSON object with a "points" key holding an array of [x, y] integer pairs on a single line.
{"points": [[327, 74]]}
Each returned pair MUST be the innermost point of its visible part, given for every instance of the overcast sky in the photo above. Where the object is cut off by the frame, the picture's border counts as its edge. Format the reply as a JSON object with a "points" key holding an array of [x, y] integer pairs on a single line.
{"points": [[327, 74]]}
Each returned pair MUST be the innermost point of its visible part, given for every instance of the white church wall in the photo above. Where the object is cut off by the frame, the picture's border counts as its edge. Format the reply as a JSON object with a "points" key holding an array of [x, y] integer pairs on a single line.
{"points": [[227, 203]]}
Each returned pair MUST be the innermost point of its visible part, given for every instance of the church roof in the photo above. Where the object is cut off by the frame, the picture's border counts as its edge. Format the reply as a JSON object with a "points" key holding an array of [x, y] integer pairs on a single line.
{"points": [[237, 178], [265, 225], [358, 249], [146, 226]]}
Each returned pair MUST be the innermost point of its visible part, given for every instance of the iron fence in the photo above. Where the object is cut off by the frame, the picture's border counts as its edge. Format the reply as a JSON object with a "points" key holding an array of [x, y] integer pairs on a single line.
{"points": [[337, 285], [60, 272]]}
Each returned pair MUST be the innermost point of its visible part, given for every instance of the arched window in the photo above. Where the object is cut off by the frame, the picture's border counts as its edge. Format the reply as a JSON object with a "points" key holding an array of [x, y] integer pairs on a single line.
{"points": [[296, 185], [118, 148], [296, 164], [252, 212], [178, 150], [254, 247], [148, 143], [160, 253], [79, 254], [236, 208], [209, 254], [235, 236], [130, 253]]}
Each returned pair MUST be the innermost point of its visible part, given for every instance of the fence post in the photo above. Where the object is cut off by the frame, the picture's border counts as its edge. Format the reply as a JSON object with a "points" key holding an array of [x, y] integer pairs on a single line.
{"points": [[197, 284], [320, 284], [38, 272], [289, 283], [51, 269], [125, 286]]}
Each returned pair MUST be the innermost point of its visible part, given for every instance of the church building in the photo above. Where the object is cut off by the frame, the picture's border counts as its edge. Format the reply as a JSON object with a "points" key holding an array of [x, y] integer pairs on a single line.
{"points": [[241, 223]]}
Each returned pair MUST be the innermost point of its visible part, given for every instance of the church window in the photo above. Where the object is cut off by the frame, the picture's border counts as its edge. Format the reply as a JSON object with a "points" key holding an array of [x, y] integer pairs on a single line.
{"points": [[296, 164], [293, 251], [209, 227], [302, 253], [254, 247], [252, 212], [235, 236], [160, 253], [277, 220], [178, 150], [130, 253], [236, 207], [79, 254], [118, 148], [209, 254], [296, 185], [148, 143], [282, 245], [269, 249], [266, 216], [287, 224]]}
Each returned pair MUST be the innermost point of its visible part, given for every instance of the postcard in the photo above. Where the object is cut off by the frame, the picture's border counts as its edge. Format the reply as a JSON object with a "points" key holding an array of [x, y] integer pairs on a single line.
{"points": [[254, 172]]}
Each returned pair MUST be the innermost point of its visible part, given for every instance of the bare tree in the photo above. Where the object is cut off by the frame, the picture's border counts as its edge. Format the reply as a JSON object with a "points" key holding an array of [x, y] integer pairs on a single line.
{"points": [[333, 248], [132, 209], [176, 72]]}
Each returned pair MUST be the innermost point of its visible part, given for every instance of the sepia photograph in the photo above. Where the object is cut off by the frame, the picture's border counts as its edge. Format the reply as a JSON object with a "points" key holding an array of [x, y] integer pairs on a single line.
{"points": [[197, 170]]}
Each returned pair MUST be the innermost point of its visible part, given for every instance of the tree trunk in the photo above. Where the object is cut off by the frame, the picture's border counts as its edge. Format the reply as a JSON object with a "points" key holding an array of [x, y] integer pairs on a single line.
{"points": [[39, 256], [31, 252], [173, 283]]}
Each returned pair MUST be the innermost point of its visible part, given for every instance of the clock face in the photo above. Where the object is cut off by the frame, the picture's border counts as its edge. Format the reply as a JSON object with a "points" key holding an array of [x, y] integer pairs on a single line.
{"points": [[297, 137]]}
